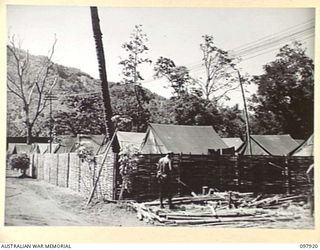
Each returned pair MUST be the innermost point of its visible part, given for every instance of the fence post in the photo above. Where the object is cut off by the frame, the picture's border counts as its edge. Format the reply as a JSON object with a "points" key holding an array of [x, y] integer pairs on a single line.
{"points": [[32, 166], [287, 175], [79, 174], [237, 167], [34, 176], [256, 176], [68, 170], [179, 172], [39, 167], [57, 180], [114, 177], [49, 172], [42, 167], [220, 171]]}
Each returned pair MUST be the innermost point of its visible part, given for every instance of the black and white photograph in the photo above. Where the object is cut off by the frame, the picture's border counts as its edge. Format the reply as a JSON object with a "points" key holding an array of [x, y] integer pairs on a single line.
{"points": [[160, 117]]}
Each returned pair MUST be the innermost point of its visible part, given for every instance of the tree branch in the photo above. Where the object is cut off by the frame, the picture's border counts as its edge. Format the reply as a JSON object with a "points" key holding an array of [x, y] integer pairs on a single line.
{"points": [[40, 107], [14, 92], [225, 92], [19, 72], [220, 87], [9, 78], [31, 92]]}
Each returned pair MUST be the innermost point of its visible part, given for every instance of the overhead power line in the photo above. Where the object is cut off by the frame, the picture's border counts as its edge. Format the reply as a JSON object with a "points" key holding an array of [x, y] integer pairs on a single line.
{"points": [[285, 34], [301, 36], [274, 49], [275, 40], [251, 50], [287, 30], [271, 47], [247, 51]]}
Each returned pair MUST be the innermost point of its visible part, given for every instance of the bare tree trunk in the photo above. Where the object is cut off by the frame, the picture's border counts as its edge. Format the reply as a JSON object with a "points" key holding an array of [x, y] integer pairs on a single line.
{"points": [[29, 134], [28, 126], [29, 90], [103, 74]]}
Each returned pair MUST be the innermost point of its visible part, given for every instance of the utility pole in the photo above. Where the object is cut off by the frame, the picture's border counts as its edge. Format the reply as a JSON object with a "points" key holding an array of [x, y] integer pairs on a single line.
{"points": [[246, 114]]}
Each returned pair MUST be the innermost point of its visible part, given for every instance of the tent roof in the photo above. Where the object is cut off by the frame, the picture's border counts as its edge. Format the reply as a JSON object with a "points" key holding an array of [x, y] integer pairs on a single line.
{"points": [[11, 148], [235, 142], [304, 149], [45, 147], [130, 138], [299, 141], [96, 139], [18, 148], [270, 145], [93, 141], [67, 144], [163, 138]]}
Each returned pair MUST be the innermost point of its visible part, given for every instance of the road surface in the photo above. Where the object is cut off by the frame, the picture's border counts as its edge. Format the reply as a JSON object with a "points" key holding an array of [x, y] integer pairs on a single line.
{"points": [[37, 203]]}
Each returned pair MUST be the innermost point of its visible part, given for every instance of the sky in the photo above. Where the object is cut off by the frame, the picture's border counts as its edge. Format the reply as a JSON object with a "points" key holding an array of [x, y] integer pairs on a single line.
{"points": [[175, 33]]}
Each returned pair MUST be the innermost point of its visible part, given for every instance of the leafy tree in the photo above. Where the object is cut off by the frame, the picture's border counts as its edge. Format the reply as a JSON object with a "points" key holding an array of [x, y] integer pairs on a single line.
{"points": [[159, 110], [80, 115], [20, 161], [189, 109], [30, 85], [126, 104], [284, 102], [193, 110], [128, 166], [83, 114], [136, 49], [231, 122], [123, 123], [178, 76], [219, 71], [86, 153]]}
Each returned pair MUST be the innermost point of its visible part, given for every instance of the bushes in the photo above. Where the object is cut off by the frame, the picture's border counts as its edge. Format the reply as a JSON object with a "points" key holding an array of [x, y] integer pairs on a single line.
{"points": [[20, 161], [128, 165]]}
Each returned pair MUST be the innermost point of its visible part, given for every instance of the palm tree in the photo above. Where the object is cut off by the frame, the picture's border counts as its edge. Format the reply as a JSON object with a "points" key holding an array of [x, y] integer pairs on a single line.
{"points": [[103, 74]]}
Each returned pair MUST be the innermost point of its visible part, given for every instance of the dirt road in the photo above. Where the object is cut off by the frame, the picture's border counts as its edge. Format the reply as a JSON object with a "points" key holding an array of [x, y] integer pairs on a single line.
{"points": [[37, 203]]}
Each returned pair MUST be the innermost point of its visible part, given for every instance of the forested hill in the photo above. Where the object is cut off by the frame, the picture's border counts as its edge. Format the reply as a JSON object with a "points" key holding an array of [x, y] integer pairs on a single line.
{"points": [[79, 100], [283, 104]]}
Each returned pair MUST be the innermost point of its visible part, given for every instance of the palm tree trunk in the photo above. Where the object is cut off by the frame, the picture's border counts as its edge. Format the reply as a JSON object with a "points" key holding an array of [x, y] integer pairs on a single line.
{"points": [[103, 74]]}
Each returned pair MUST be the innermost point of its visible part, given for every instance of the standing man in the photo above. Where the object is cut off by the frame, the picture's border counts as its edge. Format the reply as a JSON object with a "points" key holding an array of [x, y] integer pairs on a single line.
{"points": [[164, 174]]}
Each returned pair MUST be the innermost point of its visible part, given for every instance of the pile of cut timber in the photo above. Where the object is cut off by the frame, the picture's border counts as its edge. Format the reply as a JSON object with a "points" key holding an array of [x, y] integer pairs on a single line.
{"points": [[222, 208]]}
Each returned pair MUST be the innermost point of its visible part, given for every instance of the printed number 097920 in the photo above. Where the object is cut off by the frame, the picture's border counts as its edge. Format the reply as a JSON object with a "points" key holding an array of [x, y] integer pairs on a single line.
{"points": [[308, 246]]}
